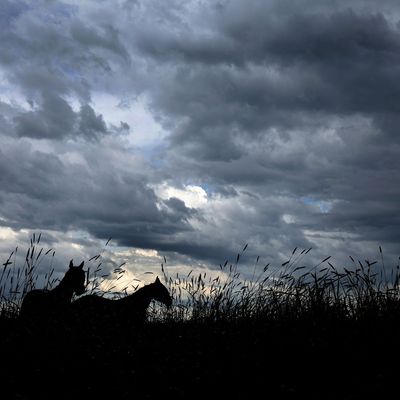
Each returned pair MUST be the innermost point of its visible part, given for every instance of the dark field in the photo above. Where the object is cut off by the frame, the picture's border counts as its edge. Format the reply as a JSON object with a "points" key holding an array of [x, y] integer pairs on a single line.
{"points": [[322, 334], [329, 359]]}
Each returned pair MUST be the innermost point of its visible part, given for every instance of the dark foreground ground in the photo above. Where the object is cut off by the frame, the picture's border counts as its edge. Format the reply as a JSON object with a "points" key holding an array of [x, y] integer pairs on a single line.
{"points": [[298, 359]]}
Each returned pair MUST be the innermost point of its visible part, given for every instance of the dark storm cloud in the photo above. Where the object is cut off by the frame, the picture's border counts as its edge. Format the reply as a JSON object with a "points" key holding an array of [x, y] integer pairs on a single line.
{"points": [[269, 68], [55, 119], [104, 37], [40, 191], [91, 124], [279, 98]]}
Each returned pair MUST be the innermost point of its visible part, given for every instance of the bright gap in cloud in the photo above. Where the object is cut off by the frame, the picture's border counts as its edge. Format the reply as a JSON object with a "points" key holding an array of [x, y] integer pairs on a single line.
{"points": [[143, 131], [12, 95], [289, 219], [7, 233], [193, 196]]}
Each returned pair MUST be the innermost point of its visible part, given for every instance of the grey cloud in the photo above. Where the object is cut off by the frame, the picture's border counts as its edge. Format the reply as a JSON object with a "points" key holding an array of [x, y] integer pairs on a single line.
{"points": [[7, 114], [104, 201], [122, 129], [279, 75], [104, 37], [51, 47], [294, 104], [178, 207], [124, 126], [279, 72], [90, 124], [55, 119], [204, 143]]}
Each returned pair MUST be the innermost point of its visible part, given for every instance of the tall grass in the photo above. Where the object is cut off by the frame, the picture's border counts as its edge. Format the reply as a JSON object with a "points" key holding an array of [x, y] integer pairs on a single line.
{"points": [[286, 293], [291, 291], [19, 275]]}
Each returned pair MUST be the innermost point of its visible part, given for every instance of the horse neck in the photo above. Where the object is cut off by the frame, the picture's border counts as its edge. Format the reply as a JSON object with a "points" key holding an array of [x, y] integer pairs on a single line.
{"points": [[141, 297], [62, 290]]}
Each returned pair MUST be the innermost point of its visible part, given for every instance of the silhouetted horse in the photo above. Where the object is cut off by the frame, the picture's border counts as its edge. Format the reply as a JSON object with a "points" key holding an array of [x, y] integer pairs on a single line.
{"points": [[129, 309], [49, 304]]}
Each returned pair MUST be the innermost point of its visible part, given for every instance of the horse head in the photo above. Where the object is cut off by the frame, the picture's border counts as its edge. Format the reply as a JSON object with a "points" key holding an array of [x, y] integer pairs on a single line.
{"points": [[160, 293], [74, 278]]}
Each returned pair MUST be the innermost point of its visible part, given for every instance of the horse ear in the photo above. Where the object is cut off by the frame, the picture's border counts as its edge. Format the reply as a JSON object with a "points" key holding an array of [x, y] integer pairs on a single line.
{"points": [[81, 265], [157, 280], [71, 264]]}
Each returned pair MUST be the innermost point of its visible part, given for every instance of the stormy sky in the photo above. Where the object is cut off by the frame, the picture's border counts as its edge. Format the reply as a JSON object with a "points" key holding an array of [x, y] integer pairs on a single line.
{"points": [[190, 128]]}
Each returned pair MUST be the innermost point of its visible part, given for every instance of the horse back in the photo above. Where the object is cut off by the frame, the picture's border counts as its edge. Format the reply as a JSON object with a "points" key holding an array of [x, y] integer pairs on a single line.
{"points": [[100, 310], [91, 304], [41, 303], [33, 302]]}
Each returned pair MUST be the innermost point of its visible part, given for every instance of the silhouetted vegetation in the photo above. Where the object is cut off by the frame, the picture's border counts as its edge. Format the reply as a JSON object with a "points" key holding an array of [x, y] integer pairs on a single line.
{"points": [[319, 331]]}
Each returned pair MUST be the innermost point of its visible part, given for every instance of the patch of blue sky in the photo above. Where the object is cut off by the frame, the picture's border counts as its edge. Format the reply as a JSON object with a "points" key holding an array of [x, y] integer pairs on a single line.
{"points": [[152, 153], [207, 187], [68, 70], [323, 205]]}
